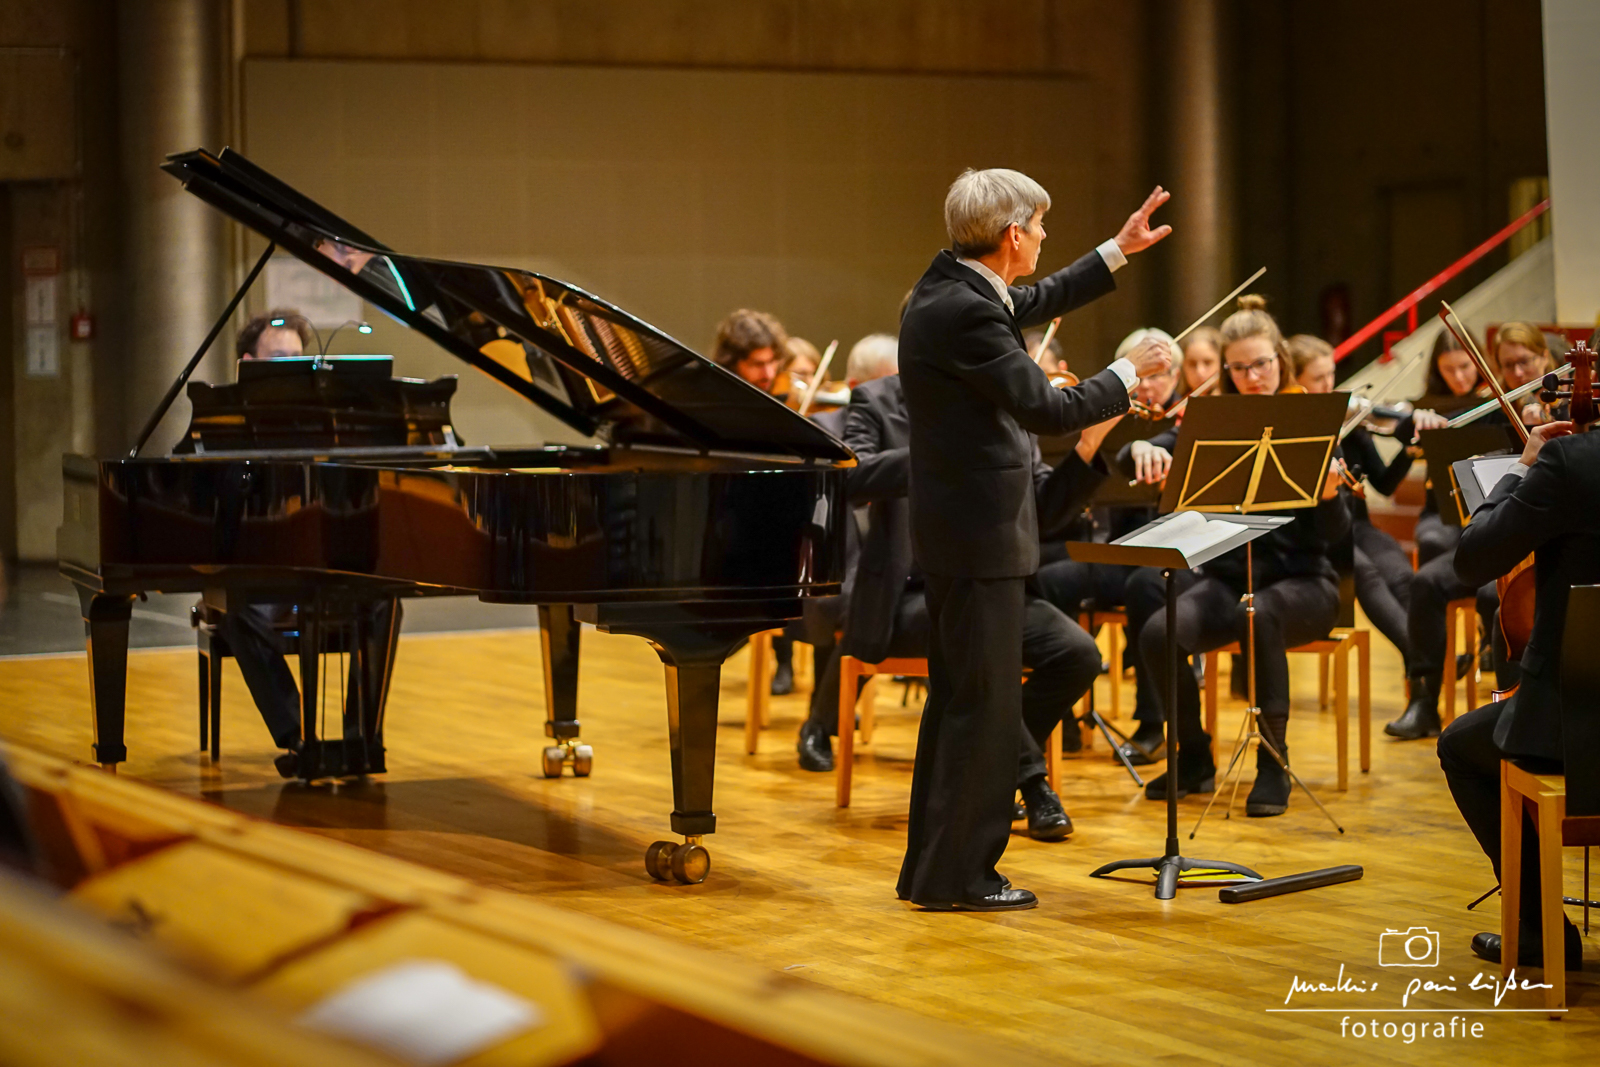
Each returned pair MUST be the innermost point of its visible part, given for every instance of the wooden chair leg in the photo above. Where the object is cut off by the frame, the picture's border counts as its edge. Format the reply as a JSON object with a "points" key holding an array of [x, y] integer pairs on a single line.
{"points": [[1470, 617], [756, 694], [1341, 709], [1550, 911], [1449, 686], [844, 761], [1322, 681], [1363, 642], [1211, 698], [1510, 870], [1114, 638], [867, 707], [1052, 758], [205, 697]]}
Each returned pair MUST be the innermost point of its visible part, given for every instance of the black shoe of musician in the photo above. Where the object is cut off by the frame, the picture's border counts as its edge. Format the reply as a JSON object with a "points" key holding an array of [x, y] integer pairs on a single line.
{"points": [[783, 680], [816, 752], [288, 763], [1530, 946], [1148, 738], [1047, 819], [1007, 899], [1198, 777], [1270, 793], [1421, 717]]}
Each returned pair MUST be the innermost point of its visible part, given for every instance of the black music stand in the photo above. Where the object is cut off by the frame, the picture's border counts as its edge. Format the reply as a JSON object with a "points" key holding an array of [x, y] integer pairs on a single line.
{"points": [[1445, 447], [1171, 865]]}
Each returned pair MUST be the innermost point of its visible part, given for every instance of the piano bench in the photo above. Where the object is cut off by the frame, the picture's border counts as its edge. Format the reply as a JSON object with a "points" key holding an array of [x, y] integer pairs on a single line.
{"points": [[212, 648]]}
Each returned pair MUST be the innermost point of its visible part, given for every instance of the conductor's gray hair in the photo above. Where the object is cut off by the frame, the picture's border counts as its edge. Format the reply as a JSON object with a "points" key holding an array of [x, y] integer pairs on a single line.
{"points": [[982, 203], [875, 356]]}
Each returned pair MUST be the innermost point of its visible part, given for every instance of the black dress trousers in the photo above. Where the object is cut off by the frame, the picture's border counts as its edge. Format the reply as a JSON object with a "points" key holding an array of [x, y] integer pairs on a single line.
{"points": [[966, 770]]}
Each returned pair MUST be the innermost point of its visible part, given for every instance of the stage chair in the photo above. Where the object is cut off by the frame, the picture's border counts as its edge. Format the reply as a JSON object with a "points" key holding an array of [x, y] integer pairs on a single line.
{"points": [[851, 671], [1117, 629], [1336, 646], [758, 686], [212, 648], [1466, 611]]}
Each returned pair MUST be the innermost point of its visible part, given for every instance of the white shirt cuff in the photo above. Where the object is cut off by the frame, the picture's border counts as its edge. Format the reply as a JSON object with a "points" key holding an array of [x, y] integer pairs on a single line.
{"points": [[1112, 254], [1123, 368], [1518, 469]]}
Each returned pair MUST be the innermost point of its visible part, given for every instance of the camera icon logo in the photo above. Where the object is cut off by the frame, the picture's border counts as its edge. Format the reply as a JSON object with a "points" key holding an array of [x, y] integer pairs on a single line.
{"points": [[1415, 947]]}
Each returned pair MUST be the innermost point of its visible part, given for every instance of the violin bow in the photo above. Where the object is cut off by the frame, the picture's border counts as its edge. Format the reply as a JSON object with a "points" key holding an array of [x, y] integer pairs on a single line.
{"points": [[1446, 313], [1044, 342], [1183, 401], [818, 378]]}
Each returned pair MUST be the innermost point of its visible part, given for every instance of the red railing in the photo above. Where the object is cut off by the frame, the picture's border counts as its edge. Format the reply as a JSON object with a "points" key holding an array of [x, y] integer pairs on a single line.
{"points": [[1408, 305]]}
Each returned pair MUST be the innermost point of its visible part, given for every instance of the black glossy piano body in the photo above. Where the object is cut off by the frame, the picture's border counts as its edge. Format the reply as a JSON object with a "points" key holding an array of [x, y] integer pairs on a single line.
{"points": [[704, 511]]}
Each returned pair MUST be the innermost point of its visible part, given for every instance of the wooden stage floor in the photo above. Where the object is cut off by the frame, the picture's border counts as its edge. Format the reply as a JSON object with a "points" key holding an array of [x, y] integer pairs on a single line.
{"points": [[1100, 972]]}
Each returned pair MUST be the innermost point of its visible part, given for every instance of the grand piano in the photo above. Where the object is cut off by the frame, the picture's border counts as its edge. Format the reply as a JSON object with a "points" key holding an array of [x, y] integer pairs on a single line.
{"points": [[703, 511]]}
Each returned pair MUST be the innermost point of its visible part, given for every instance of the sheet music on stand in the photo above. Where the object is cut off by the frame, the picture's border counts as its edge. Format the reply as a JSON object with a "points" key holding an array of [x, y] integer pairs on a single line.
{"points": [[1474, 479]]}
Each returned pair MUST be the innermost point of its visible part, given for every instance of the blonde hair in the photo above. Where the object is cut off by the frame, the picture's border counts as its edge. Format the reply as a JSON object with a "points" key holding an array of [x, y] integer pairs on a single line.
{"points": [[1207, 334], [799, 348], [1304, 349], [1253, 320], [1521, 333], [982, 203]]}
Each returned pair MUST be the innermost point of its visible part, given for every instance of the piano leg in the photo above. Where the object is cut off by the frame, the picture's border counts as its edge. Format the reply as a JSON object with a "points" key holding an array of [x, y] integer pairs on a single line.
{"points": [[105, 624], [559, 635]]}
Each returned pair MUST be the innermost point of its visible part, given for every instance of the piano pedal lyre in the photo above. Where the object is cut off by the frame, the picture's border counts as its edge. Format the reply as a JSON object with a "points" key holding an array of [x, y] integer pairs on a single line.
{"points": [[688, 863], [571, 752]]}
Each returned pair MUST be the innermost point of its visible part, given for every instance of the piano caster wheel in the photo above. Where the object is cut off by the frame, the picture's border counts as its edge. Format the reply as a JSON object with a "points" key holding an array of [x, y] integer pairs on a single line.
{"points": [[582, 761], [688, 863], [555, 758]]}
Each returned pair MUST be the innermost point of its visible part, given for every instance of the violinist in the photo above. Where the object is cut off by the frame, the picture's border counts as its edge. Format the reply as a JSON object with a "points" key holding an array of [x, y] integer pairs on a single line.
{"points": [[1544, 506], [1050, 360], [1296, 592], [1523, 357], [1453, 379], [796, 369], [751, 344], [1202, 356]]}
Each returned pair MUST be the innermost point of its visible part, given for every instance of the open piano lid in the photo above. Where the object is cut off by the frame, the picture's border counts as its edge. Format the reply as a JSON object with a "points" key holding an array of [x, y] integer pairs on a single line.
{"points": [[595, 367]]}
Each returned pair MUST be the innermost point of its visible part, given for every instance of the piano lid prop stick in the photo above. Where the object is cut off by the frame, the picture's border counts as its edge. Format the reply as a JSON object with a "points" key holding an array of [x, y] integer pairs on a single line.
{"points": [[818, 378], [1044, 342], [199, 354]]}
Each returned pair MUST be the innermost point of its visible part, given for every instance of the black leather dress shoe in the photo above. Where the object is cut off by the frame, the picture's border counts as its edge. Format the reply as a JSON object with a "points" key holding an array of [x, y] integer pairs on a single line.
{"points": [[1006, 900], [1203, 780], [1530, 947], [816, 752], [1047, 819], [783, 680], [1152, 743], [1421, 717]]}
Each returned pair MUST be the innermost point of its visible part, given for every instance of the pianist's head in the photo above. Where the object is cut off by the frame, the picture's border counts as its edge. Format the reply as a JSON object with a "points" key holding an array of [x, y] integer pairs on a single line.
{"points": [[752, 345], [279, 334]]}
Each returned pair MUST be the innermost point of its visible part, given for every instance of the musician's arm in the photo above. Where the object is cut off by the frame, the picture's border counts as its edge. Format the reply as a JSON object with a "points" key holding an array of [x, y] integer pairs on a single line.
{"points": [[880, 473], [1068, 289], [1520, 515]]}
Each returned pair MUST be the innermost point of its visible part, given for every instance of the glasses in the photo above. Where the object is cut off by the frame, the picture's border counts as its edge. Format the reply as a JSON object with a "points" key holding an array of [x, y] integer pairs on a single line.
{"points": [[1518, 366], [1251, 369]]}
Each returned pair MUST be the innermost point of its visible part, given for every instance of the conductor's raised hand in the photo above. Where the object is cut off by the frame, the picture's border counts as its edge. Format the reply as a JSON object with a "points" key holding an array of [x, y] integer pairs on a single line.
{"points": [[1151, 356], [1136, 234]]}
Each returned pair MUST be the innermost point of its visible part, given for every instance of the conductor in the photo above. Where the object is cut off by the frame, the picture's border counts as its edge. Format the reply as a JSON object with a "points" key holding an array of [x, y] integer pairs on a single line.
{"points": [[973, 395]]}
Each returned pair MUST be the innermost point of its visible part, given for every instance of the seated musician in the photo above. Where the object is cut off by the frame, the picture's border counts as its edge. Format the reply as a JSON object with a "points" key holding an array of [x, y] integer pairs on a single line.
{"points": [[1296, 593], [796, 369], [1076, 587], [1523, 357], [887, 612], [1531, 510], [753, 345], [1202, 357], [1050, 362], [252, 631]]}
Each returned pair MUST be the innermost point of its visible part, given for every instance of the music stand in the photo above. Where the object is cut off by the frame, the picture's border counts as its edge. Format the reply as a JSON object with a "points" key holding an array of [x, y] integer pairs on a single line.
{"points": [[1443, 448], [1170, 865]]}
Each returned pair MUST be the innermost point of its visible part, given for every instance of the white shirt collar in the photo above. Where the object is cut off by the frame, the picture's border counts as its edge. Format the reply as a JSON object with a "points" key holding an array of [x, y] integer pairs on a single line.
{"points": [[993, 279]]}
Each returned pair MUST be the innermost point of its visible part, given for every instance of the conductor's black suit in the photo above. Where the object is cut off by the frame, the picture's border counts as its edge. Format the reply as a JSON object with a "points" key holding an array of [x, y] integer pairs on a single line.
{"points": [[1554, 513], [973, 396]]}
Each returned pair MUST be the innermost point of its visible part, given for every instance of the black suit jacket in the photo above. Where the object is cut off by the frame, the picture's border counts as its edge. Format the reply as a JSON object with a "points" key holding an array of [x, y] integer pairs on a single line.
{"points": [[1554, 513], [877, 428], [973, 397]]}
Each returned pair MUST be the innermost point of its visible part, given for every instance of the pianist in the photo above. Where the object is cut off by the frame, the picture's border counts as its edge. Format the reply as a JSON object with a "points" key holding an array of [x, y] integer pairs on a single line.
{"points": [[279, 334]]}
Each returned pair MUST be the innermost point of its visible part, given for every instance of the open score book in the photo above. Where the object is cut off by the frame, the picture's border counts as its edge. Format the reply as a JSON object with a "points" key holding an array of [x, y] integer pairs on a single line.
{"points": [[1190, 532]]}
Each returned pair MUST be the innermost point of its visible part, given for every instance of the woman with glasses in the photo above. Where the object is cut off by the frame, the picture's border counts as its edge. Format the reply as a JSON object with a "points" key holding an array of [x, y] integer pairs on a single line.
{"points": [[1296, 592], [1522, 356]]}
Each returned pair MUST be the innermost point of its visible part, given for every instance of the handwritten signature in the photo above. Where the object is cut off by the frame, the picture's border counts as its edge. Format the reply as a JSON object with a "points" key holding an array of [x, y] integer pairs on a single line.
{"points": [[1480, 983]]}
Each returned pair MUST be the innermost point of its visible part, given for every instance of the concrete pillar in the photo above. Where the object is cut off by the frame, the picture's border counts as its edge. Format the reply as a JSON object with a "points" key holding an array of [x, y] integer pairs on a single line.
{"points": [[1200, 177], [1571, 41], [171, 56]]}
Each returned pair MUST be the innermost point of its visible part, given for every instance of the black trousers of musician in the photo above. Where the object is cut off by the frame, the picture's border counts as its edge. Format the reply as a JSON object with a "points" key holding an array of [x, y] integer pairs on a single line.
{"points": [[1076, 587], [1471, 762], [1289, 612], [1061, 659], [966, 770], [1145, 596], [1434, 537], [252, 636], [1432, 589], [1383, 578]]}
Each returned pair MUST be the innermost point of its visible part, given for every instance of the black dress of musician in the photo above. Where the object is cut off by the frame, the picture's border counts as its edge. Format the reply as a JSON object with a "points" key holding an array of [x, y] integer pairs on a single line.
{"points": [[973, 396], [1549, 505]]}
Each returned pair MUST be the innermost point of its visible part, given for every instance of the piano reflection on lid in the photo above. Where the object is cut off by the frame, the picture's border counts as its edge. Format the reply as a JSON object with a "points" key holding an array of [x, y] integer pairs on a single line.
{"points": [[698, 510]]}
